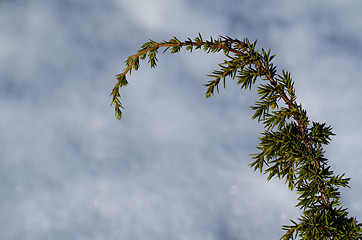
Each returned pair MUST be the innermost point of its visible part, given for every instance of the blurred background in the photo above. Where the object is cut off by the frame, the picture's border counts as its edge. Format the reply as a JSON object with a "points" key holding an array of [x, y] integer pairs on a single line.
{"points": [[176, 166]]}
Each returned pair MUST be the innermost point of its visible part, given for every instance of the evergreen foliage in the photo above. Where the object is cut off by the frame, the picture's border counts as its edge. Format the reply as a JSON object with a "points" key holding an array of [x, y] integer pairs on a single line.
{"points": [[290, 148]]}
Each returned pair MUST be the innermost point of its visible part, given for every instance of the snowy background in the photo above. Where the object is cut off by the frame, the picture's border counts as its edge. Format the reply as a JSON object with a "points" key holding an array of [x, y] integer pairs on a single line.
{"points": [[176, 166]]}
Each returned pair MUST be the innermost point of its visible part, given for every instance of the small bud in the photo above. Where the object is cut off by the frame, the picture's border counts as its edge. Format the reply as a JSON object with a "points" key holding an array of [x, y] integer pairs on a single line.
{"points": [[240, 45], [225, 44]]}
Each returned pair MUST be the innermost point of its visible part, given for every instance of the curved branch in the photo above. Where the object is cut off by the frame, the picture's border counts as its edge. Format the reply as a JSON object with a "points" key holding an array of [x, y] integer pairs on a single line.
{"points": [[294, 151]]}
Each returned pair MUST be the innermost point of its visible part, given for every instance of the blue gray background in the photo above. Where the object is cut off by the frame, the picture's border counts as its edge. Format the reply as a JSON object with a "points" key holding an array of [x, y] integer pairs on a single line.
{"points": [[176, 166]]}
